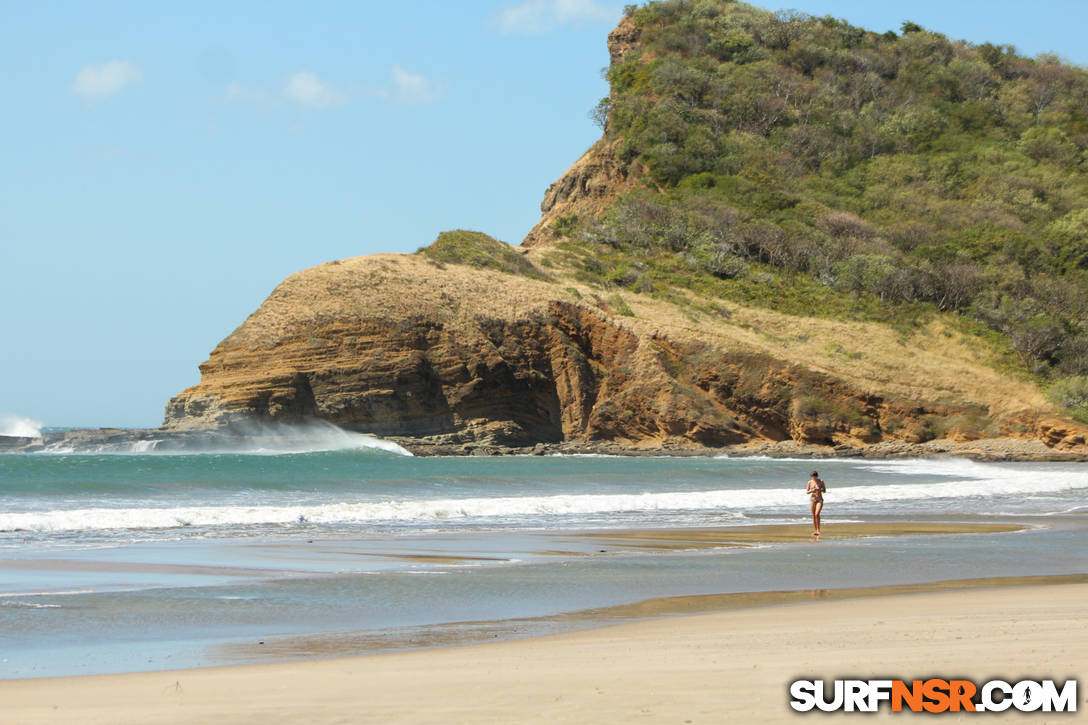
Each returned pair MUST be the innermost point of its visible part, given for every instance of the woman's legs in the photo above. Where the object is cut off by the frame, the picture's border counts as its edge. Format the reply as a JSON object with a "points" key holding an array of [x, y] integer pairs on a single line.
{"points": [[817, 507]]}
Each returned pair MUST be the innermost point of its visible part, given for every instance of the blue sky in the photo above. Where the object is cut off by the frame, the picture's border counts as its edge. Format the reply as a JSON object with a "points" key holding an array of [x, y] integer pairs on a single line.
{"points": [[165, 165]]}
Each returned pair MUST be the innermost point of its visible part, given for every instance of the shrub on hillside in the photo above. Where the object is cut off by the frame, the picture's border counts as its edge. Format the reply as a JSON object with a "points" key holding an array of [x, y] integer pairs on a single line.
{"points": [[1072, 394], [477, 249]]}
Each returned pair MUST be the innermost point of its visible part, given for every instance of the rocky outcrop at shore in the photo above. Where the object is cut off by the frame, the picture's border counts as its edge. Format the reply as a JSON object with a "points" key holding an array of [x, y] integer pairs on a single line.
{"points": [[995, 449], [12, 443], [449, 355]]}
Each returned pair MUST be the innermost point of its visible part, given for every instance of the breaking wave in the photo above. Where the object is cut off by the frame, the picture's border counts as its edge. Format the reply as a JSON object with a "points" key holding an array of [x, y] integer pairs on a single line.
{"points": [[724, 502], [18, 426], [241, 438]]}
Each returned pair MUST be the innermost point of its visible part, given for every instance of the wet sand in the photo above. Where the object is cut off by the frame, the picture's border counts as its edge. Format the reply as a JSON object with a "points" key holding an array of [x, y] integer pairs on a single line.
{"points": [[722, 666], [441, 551], [787, 533], [349, 644]]}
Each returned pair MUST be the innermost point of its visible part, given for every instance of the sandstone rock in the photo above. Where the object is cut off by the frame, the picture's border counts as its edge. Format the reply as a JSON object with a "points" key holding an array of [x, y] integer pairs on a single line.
{"points": [[397, 346]]}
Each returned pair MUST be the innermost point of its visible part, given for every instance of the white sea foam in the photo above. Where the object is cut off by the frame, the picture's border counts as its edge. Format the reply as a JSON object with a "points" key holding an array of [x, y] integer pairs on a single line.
{"points": [[249, 438], [310, 437], [18, 426], [45, 593], [723, 502], [29, 605], [961, 467]]}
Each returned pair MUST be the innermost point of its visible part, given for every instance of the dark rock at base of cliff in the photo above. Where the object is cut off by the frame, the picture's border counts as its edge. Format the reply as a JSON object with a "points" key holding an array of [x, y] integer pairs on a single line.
{"points": [[18, 443], [996, 449]]}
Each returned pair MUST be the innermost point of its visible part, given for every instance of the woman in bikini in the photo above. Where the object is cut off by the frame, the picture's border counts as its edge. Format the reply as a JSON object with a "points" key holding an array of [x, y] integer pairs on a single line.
{"points": [[815, 491]]}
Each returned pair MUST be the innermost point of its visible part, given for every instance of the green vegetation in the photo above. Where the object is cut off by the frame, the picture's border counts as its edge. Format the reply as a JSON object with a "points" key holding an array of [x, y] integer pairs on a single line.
{"points": [[1072, 394], [619, 307], [811, 166], [477, 249]]}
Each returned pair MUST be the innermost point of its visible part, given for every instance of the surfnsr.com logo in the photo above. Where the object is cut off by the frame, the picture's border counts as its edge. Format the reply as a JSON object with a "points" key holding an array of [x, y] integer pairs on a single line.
{"points": [[933, 695]]}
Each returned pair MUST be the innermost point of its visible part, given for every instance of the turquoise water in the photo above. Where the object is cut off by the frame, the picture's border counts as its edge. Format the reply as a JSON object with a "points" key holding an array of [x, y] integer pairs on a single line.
{"points": [[118, 562]]}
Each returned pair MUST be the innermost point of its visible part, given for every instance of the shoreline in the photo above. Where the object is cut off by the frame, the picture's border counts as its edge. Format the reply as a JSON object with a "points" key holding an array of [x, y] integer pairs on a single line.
{"points": [[464, 633], [668, 668], [377, 643], [163, 440], [481, 607]]}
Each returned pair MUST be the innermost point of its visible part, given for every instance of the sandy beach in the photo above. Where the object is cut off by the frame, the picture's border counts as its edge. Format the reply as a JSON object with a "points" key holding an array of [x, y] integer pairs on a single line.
{"points": [[721, 666]]}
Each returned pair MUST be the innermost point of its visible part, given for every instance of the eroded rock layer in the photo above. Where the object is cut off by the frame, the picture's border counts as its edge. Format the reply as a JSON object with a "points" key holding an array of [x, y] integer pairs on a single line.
{"points": [[399, 345]]}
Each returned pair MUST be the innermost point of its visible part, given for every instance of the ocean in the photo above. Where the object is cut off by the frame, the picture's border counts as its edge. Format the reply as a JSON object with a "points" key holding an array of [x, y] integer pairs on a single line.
{"points": [[122, 559]]}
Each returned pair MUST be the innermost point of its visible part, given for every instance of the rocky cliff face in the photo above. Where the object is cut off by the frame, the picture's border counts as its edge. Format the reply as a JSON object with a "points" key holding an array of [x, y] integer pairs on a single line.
{"points": [[401, 345], [594, 179], [585, 188]]}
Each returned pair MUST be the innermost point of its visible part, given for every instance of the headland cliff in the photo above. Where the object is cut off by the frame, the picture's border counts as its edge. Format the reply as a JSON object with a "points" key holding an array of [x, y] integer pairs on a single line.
{"points": [[717, 270]]}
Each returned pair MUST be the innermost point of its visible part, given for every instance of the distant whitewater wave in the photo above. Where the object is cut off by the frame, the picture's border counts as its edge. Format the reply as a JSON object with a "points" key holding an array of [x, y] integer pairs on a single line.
{"points": [[18, 426], [940, 466], [27, 605], [251, 438], [723, 502], [960, 467]]}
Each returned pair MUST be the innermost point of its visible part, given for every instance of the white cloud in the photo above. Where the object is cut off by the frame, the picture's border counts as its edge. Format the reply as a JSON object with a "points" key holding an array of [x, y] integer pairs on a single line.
{"points": [[409, 88], [239, 92], [95, 82], [307, 89], [538, 16]]}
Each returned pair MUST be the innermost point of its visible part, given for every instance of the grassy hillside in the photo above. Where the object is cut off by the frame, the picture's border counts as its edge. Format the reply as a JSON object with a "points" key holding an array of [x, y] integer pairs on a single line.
{"points": [[801, 164]]}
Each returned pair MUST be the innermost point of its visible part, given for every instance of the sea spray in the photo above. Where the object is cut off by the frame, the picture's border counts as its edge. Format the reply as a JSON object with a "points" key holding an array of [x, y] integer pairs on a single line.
{"points": [[19, 426], [245, 437], [307, 437]]}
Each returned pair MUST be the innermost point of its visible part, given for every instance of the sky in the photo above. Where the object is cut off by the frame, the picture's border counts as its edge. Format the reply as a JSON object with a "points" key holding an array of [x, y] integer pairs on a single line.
{"points": [[165, 165]]}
